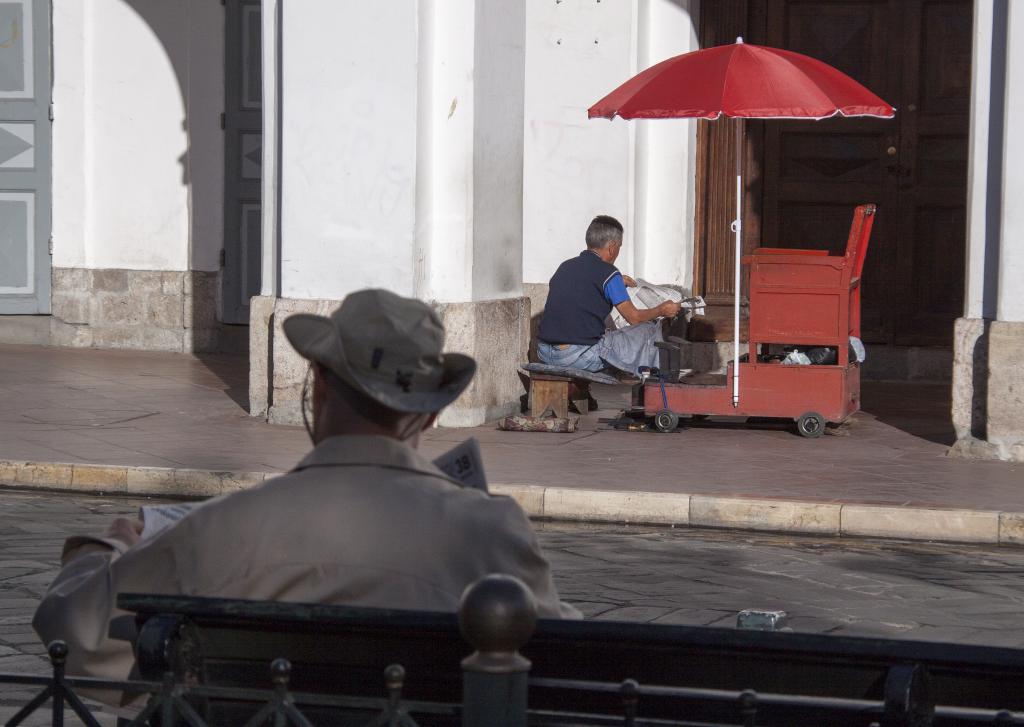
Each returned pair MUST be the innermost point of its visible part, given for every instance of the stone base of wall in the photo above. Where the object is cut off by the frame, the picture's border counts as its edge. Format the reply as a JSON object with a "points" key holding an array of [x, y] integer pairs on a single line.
{"points": [[988, 389], [134, 309], [494, 332]]}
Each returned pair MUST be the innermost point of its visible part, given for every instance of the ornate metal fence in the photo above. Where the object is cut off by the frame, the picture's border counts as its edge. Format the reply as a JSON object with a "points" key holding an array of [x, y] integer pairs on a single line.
{"points": [[495, 696], [497, 618]]}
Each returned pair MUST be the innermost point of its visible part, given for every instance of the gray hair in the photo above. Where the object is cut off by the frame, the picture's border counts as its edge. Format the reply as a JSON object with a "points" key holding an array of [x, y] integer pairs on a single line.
{"points": [[603, 230]]}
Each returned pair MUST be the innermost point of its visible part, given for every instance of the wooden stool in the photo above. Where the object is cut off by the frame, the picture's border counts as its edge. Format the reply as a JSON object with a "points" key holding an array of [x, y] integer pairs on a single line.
{"points": [[551, 392]]}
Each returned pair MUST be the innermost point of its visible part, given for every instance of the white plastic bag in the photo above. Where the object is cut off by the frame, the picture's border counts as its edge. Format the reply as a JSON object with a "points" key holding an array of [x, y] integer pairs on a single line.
{"points": [[796, 358]]}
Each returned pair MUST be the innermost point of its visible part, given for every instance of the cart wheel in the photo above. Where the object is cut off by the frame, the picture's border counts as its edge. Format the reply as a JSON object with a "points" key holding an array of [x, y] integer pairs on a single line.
{"points": [[811, 425], [666, 421]]}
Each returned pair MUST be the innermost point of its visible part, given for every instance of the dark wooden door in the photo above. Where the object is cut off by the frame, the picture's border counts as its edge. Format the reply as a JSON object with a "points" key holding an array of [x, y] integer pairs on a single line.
{"points": [[934, 121], [807, 176]]}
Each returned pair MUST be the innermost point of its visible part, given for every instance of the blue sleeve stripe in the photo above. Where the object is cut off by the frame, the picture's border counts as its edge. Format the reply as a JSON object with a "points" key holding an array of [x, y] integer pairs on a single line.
{"points": [[615, 289]]}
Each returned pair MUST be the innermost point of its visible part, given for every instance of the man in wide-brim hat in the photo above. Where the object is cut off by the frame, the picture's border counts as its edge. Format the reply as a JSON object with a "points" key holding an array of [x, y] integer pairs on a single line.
{"points": [[362, 520]]}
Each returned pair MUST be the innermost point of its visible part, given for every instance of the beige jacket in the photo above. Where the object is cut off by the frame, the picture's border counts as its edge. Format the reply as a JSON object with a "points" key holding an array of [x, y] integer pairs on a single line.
{"points": [[362, 521]]}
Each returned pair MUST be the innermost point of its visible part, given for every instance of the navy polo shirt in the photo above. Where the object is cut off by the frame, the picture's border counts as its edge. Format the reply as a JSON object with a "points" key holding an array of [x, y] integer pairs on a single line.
{"points": [[580, 296]]}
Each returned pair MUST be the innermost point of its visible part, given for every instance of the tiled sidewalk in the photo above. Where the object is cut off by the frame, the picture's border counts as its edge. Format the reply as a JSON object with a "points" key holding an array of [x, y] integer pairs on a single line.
{"points": [[178, 411]]}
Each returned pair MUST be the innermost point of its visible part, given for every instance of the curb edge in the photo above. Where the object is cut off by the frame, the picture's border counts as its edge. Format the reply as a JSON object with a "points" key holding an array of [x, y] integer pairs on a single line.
{"points": [[943, 524]]}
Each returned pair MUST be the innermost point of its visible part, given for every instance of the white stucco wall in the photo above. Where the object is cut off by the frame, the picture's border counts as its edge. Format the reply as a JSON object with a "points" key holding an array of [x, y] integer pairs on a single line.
{"points": [[666, 155], [402, 164], [349, 144], [574, 168], [499, 78], [640, 172], [138, 170], [1010, 301]]}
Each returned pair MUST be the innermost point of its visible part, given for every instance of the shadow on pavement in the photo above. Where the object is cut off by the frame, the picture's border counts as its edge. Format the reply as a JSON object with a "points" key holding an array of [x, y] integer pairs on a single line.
{"points": [[233, 371], [920, 409]]}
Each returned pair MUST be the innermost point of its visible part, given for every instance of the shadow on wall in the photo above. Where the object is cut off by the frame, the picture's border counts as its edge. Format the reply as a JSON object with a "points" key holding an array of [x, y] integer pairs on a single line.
{"points": [[191, 34], [538, 295]]}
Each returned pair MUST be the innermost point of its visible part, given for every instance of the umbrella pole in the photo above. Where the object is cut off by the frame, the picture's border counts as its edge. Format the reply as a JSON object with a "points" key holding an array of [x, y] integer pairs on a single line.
{"points": [[737, 228]]}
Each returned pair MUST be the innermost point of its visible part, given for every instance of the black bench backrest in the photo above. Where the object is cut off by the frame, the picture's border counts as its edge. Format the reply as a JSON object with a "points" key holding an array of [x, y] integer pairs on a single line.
{"points": [[343, 650]]}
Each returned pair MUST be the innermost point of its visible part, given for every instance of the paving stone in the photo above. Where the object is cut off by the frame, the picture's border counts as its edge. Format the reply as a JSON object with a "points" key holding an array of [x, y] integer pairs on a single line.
{"points": [[958, 593]]}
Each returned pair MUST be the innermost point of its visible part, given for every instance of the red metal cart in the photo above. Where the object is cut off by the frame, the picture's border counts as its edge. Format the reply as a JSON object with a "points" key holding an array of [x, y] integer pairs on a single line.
{"points": [[803, 298]]}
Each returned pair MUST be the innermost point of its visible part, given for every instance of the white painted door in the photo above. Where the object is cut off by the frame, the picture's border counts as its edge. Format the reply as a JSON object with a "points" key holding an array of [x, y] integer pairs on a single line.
{"points": [[25, 156]]}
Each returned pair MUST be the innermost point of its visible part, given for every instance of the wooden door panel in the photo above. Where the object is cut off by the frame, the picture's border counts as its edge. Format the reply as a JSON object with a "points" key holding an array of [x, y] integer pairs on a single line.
{"points": [[944, 77], [933, 170], [846, 34], [816, 172], [931, 294]]}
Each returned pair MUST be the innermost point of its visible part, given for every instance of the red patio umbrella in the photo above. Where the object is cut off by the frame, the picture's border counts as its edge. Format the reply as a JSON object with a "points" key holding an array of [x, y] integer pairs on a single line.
{"points": [[740, 81]]}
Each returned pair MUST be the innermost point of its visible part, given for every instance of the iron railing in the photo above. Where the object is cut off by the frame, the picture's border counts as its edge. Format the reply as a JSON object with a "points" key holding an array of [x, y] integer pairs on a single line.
{"points": [[497, 618], [491, 699]]}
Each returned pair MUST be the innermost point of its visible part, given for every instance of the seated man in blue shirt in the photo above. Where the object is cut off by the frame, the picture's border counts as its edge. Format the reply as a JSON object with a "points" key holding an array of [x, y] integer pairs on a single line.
{"points": [[580, 297]]}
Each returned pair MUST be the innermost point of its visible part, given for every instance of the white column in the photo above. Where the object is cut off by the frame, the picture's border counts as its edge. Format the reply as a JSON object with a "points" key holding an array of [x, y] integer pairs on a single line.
{"points": [[401, 167], [665, 155], [1010, 301], [980, 225], [269, 281], [444, 180], [470, 153], [348, 133]]}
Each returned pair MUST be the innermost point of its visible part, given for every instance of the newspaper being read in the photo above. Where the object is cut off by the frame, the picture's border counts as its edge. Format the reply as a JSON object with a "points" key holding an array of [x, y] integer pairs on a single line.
{"points": [[462, 463]]}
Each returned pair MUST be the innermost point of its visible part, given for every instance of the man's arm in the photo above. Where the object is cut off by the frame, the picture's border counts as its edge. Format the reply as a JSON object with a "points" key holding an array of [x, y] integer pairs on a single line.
{"points": [[634, 315], [80, 603], [615, 292]]}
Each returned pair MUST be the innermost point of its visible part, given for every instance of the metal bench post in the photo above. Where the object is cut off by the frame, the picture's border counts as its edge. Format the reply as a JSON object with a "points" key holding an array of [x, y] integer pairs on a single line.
{"points": [[497, 616]]}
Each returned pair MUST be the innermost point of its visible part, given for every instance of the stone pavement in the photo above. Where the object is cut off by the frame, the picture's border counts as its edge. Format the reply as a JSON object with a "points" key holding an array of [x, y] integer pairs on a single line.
{"points": [[187, 414], [961, 594]]}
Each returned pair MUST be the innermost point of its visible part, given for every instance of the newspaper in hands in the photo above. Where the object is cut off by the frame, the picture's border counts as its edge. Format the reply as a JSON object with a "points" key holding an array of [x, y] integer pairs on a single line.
{"points": [[156, 518], [464, 464]]}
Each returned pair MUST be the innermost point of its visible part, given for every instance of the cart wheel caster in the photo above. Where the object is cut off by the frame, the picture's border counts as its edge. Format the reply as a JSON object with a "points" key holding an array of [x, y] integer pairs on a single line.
{"points": [[811, 425], [666, 421]]}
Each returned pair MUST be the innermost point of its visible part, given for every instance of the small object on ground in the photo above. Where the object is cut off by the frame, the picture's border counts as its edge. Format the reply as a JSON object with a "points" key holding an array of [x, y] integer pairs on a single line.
{"points": [[527, 423], [752, 619], [842, 429]]}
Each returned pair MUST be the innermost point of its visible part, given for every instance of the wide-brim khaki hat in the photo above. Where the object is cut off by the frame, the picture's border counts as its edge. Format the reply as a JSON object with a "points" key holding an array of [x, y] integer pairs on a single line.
{"points": [[386, 347]]}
